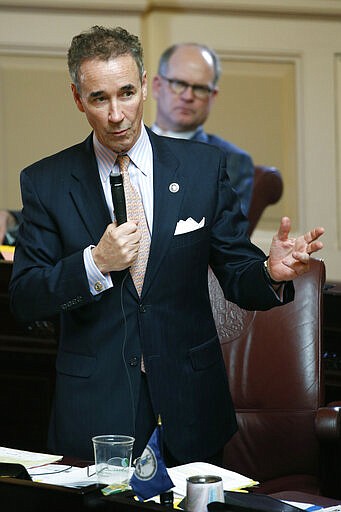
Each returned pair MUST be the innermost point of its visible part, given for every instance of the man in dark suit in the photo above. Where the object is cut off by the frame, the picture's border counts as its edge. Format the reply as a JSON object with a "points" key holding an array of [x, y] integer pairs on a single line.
{"points": [[124, 357], [185, 88]]}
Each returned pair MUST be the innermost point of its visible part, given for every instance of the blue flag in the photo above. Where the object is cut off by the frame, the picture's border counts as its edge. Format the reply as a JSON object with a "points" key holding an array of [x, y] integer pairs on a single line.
{"points": [[151, 477]]}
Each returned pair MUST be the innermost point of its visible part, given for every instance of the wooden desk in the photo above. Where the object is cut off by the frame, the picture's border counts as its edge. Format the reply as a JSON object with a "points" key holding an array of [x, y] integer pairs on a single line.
{"points": [[27, 375], [26, 496]]}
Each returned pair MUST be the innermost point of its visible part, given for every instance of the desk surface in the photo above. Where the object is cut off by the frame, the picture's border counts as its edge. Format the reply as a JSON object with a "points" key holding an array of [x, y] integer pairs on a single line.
{"points": [[27, 496], [301, 497]]}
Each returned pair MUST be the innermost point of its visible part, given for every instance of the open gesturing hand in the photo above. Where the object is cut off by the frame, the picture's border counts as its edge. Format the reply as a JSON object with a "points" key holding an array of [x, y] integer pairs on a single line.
{"points": [[289, 257]]}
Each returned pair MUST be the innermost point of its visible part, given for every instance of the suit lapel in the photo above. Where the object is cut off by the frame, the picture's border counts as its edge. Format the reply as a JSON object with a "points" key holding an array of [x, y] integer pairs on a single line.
{"points": [[169, 186], [88, 196], [87, 192]]}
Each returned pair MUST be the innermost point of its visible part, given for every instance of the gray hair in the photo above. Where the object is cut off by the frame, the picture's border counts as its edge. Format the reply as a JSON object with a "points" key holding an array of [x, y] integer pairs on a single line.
{"points": [[104, 44]]}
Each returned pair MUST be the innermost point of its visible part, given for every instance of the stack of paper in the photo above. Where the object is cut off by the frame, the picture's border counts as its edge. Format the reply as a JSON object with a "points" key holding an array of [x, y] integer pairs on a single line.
{"points": [[67, 476], [231, 481], [27, 459]]}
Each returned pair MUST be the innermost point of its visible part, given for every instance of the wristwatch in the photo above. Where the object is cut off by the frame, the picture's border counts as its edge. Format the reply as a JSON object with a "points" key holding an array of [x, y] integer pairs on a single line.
{"points": [[272, 281]]}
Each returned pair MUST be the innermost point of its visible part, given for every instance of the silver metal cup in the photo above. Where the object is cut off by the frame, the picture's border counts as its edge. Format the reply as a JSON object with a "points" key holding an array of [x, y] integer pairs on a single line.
{"points": [[201, 490]]}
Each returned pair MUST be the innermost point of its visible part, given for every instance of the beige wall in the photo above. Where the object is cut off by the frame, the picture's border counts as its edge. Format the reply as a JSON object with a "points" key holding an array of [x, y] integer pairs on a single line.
{"points": [[279, 93]]}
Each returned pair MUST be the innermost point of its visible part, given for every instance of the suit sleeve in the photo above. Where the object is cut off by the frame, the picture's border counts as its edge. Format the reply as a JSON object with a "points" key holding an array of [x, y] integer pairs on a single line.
{"points": [[17, 215], [44, 280], [237, 263]]}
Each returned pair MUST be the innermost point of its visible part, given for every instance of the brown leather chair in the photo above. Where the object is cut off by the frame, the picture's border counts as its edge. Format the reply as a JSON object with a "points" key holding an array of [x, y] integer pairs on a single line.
{"points": [[267, 189], [286, 439]]}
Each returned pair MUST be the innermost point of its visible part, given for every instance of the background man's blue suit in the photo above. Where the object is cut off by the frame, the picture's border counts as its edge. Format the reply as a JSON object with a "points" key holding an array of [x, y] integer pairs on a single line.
{"points": [[240, 166], [98, 362]]}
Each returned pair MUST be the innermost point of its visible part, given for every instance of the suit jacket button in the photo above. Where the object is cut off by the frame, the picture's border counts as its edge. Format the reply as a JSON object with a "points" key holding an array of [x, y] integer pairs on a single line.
{"points": [[133, 361], [98, 286], [143, 308]]}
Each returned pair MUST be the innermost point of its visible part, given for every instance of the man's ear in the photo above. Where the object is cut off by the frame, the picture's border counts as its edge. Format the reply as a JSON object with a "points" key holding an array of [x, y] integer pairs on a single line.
{"points": [[156, 84], [144, 86], [77, 98]]}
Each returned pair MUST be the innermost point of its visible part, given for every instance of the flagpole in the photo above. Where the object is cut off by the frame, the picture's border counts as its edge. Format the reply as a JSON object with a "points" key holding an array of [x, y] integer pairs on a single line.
{"points": [[166, 498], [159, 426]]}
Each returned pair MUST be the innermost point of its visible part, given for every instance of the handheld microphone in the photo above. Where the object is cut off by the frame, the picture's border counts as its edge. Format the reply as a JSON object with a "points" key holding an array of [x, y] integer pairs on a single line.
{"points": [[118, 197]]}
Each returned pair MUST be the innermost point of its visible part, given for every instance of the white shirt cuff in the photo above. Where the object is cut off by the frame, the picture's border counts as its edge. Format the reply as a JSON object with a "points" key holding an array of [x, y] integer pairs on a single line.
{"points": [[98, 282]]}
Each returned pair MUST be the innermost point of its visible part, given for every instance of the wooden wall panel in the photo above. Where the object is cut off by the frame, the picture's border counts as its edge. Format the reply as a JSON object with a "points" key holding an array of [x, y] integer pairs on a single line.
{"points": [[338, 144], [256, 110], [38, 116]]}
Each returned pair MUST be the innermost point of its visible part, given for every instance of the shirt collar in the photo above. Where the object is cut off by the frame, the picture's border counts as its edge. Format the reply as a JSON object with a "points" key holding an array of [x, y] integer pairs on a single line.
{"points": [[140, 154], [105, 159], [169, 133]]}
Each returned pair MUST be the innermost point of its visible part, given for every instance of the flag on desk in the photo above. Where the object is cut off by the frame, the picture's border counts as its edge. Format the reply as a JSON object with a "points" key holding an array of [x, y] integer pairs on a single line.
{"points": [[151, 477]]}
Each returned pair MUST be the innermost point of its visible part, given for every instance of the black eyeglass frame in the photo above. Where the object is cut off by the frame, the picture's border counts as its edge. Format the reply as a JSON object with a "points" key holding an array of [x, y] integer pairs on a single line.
{"points": [[204, 90]]}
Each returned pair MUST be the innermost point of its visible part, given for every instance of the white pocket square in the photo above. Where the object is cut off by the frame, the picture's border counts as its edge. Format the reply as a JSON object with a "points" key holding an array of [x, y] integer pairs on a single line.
{"points": [[186, 226]]}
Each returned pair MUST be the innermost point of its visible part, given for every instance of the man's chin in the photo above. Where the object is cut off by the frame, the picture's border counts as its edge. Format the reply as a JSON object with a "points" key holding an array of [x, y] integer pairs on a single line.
{"points": [[120, 144], [185, 126]]}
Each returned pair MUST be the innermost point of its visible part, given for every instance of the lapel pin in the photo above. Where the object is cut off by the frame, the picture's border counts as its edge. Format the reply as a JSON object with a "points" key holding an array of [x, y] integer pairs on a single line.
{"points": [[174, 187]]}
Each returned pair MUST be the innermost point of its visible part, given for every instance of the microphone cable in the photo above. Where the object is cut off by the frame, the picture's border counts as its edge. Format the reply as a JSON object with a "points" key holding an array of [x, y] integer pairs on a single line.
{"points": [[120, 212], [124, 344]]}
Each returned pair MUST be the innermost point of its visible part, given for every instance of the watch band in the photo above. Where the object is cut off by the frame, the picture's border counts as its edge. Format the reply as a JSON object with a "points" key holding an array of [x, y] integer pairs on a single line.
{"points": [[272, 281]]}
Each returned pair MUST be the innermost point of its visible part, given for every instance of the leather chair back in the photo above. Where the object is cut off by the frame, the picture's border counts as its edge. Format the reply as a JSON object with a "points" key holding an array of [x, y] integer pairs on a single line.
{"points": [[267, 189], [274, 365]]}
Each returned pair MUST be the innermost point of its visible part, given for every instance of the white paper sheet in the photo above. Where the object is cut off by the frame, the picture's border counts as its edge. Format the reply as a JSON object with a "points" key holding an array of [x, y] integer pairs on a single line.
{"points": [[25, 458], [231, 480], [58, 474]]}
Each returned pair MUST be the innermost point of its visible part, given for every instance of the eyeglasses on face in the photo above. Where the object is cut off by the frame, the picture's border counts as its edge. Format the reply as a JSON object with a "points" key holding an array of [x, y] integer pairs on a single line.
{"points": [[180, 86]]}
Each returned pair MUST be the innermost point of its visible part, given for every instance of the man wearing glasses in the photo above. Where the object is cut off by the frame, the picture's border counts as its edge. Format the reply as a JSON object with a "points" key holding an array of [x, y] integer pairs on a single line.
{"points": [[184, 89]]}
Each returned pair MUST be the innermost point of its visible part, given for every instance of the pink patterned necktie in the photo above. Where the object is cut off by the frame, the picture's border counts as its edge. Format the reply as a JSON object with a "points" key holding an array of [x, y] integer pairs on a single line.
{"points": [[135, 211]]}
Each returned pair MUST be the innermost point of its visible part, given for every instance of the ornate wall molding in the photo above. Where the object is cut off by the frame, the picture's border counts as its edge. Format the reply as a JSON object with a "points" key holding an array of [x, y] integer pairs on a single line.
{"points": [[305, 8], [131, 7], [329, 8]]}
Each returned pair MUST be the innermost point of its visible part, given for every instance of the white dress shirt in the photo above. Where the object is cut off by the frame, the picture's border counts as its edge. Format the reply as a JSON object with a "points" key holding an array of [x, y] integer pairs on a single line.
{"points": [[141, 176]]}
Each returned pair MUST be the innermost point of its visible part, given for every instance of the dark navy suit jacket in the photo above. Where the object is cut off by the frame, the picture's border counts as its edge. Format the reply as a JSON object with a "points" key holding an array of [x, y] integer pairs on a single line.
{"points": [[98, 362]]}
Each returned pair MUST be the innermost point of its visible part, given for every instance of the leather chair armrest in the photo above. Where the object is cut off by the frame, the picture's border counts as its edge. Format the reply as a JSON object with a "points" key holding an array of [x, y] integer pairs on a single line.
{"points": [[328, 422], [328, 431]]}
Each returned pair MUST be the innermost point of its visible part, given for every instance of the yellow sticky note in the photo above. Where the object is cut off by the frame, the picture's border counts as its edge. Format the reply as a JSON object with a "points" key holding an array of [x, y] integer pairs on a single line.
{"points": [[7, 252]]}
